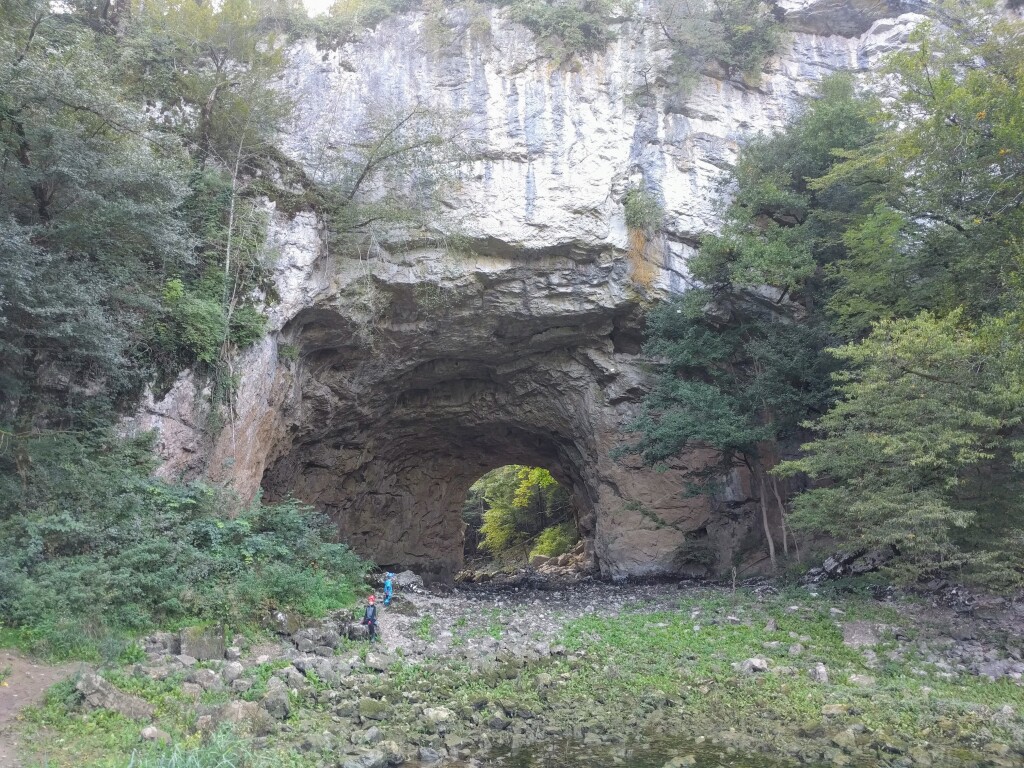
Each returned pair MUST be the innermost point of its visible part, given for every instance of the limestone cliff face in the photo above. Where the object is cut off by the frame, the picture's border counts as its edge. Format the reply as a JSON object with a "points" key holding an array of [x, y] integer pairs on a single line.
{"points": [[390, 382]]}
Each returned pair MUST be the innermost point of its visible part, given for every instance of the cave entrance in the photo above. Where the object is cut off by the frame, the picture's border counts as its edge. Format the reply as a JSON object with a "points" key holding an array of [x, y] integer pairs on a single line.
{"points": [[517, 514]]}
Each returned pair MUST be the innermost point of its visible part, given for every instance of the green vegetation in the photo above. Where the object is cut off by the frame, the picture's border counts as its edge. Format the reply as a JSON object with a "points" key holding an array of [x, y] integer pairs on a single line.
{"points": [[93, 549], [520, 510], [866, 286], [660, 664], [643, 211], [737, 36], [566, 27], [224, 749], [424, 628], [556, 540]]}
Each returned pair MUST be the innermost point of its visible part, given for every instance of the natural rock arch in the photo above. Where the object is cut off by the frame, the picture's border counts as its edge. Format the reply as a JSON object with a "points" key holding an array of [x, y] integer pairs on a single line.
{"points": [[397, 422]]}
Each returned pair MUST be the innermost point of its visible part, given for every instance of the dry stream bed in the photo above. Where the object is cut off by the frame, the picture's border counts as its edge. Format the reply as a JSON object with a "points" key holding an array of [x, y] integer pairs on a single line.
{"points": [[576, 673]]}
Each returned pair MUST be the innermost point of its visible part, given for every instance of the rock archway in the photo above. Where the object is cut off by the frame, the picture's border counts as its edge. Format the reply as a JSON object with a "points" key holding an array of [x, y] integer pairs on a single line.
{"points": [[390, 386], [401, 413]]}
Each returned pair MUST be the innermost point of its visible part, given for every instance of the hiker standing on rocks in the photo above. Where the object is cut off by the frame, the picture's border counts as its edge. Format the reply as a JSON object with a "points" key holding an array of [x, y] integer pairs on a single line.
{"points": [[370, 617], [389, 587]]}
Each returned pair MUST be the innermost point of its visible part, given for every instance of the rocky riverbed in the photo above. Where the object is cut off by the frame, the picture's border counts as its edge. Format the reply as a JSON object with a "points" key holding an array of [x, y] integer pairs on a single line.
{"points": [[526, 668]]}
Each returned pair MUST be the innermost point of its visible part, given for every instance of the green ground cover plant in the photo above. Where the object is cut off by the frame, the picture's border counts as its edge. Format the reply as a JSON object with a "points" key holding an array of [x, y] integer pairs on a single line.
{"points": [[93, 550]]}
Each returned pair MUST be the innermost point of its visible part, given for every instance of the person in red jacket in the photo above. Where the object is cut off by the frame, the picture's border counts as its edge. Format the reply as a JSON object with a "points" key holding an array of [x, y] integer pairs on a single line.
{"points": [[370, 617]]}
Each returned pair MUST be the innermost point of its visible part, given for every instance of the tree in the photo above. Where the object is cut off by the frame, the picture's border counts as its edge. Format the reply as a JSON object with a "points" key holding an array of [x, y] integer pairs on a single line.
{"points": [[742, 359], [921, 452], [523, 508], [88, 209], [736, 35], [921, 448]]}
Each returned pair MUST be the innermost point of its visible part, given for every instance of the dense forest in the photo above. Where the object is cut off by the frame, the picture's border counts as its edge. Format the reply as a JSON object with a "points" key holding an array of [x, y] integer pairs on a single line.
{"points": [[854, 339]]}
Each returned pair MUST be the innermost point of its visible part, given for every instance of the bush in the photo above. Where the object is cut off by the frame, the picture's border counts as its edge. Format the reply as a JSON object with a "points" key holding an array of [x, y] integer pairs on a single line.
{"points": [[570, 27], [643, 211], [739, 35], [92, 547], [556, 540]]}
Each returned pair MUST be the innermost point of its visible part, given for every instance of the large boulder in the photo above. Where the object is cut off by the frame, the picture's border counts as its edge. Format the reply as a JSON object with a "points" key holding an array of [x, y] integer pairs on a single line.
{"points": [[99, 694], [203, 643]]}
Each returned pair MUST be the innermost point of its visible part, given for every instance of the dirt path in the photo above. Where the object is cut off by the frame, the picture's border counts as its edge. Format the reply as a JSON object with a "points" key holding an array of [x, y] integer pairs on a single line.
{"points": [[25, 685]]}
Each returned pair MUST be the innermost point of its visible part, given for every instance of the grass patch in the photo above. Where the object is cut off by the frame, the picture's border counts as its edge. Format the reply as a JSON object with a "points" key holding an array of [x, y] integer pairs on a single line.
{"points": [[424, 628]]}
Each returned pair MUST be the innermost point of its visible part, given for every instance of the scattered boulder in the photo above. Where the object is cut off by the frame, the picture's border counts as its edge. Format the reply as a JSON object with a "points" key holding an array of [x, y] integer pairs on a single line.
{"points": [[865, 681], [379, 662], [164, 643], [819, 673], [152, 733], [232, 671], [408, 580], [357, 631], [372, 759], [437, 714], [753, 666], [240, 713], [99, 694], [203, 643], [372, 709], [372, 735], [276, 701], [206, 679], [681, 762], [846, 739], [429, 756]]}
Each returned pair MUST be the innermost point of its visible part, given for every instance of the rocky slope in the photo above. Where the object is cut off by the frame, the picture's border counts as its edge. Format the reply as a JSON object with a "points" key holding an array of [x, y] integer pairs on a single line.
{"points": [[801, 678], [392, 379]]}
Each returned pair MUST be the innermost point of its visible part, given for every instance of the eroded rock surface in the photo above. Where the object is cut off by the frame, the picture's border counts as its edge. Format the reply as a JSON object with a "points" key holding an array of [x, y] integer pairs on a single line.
{"points": [[392, 380]]}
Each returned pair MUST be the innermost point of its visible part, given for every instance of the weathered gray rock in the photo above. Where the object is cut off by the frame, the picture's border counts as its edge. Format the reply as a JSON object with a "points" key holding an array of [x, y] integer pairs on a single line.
{"points": [[246, 714], [232, 671], [203, 643], [152, 733], [207, 679], [408, 580], [276, 701], [372, 709], [372, 759], [819, 673], [753, 666], [163, 642], [429, 756], [100, 694]]}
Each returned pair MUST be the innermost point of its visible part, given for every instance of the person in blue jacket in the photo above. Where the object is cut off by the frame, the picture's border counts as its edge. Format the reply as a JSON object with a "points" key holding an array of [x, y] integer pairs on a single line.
{"points": [[389, 587]]}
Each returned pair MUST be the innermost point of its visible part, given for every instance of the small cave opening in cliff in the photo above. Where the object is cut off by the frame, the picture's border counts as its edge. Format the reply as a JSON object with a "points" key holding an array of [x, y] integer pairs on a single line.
{"points": [[516, 515]]}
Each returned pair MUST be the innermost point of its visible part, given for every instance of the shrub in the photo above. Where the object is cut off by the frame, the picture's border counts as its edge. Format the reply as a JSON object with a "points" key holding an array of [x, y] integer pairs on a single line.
{"points": [[92, 547], [739, 35], [570, 27], [643, 211], [556, 540]]}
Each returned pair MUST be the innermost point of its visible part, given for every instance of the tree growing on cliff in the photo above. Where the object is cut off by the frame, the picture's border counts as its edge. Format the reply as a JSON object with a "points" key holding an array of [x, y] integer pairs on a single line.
{"points": [[855, 227], [737, 36], [741, 359]]}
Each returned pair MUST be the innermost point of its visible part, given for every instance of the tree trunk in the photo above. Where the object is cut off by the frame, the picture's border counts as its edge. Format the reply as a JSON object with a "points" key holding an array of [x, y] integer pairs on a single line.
{"points": [[782, 514], [764, 520]]}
